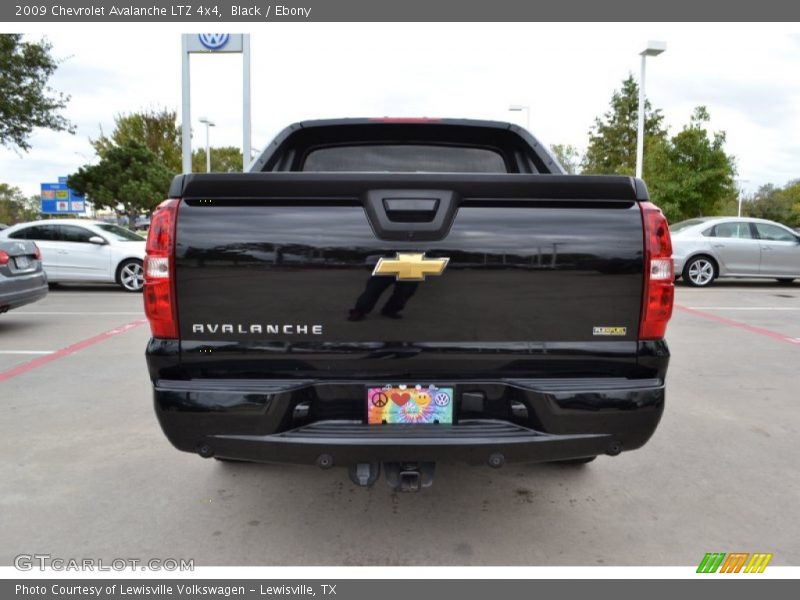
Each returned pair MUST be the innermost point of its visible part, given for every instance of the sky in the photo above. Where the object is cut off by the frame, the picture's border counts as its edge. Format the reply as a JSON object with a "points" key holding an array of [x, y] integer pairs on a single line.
{"points": [[747, 75]]}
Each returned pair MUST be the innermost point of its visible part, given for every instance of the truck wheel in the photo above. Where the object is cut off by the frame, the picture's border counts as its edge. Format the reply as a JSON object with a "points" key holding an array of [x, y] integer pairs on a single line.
{"points": [[130, 275], [700, 271]]}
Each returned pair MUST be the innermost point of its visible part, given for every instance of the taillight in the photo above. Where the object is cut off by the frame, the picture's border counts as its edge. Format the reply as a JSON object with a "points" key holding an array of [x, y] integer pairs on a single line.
{"points": [[3, 258], [659, 274], [37, 253], [159, 269]]}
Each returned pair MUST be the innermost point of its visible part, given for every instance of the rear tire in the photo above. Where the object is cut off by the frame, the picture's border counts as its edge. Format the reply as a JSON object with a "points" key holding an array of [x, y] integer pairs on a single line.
{"points": [[701, 271], [130, 275], [786, 280]]}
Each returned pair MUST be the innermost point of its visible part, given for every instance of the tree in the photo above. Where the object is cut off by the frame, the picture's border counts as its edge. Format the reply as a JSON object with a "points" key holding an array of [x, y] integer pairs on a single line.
{"points": [[128, 175], [158, 131], [568, 156], [792, 191], [155, 129], [690, 174], [16, 207], [227, 159], [26, 101], [612, 138], [776, 204]]}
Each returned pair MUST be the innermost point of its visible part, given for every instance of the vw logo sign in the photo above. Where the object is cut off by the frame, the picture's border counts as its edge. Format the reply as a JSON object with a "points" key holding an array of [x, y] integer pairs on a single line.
{"points": [[213, 41]]}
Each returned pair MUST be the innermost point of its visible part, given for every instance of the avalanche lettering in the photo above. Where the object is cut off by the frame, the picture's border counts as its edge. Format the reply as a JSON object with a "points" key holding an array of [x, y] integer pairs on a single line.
{"points": [[256, 328], [137, 11]]}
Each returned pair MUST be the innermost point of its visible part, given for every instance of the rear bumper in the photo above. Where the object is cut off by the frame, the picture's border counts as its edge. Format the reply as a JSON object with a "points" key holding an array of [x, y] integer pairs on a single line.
{"points": [[330, 443], [311, 422], [21, 290]]}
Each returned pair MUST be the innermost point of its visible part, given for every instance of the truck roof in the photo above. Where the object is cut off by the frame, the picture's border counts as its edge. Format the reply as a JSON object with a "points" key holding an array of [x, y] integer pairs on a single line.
{"points": [[446, 131]]}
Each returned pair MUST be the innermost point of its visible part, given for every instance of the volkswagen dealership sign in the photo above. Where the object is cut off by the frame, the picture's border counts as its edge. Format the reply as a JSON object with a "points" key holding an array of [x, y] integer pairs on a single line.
{"points": [[214, 42]]}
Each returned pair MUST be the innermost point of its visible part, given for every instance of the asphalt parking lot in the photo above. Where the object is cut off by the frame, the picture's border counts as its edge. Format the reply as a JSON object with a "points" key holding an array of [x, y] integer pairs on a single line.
{"points": [[86, 471]]}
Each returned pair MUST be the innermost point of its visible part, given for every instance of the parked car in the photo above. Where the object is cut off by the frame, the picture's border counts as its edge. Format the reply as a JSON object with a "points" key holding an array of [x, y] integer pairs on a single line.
{"points": [[79, 250], [22, 279], [711, 247]]}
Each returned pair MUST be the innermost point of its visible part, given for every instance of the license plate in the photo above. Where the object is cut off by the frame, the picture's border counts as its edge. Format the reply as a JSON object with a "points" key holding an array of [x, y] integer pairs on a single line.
{"points": [[420, 404], [22, 262]]}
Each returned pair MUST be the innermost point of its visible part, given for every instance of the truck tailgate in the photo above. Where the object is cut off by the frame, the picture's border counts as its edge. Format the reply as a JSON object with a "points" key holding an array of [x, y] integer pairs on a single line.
{"points": [[276, 273]]}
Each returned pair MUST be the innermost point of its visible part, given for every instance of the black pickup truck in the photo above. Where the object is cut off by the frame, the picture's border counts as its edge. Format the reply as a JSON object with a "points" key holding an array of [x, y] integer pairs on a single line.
{"points": [[396, 292]]}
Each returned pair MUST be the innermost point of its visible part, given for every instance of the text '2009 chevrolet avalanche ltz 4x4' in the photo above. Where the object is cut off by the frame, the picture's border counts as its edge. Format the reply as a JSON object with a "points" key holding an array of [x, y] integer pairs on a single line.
{"points": [[383, 294]]}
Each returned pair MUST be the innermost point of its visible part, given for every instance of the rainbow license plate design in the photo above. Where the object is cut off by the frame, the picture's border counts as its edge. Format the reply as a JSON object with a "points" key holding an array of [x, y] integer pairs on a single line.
{"points": [[392, 404]]}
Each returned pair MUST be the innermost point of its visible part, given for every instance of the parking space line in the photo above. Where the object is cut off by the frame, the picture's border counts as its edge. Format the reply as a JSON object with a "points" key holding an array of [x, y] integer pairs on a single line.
{"points": [[751, 328], [26, 351], [744, 307], [73, 348], [54, 312]]}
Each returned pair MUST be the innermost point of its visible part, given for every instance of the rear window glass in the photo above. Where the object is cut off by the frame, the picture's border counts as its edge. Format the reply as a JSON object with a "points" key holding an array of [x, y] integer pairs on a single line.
{"points": [[405, 158], [37, 232], [121, 234], [676, 227], [732, 230]]}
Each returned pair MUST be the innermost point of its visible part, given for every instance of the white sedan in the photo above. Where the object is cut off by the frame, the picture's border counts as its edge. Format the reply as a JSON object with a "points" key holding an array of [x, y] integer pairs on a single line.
{"points": [[706, 248], [78, 250]]}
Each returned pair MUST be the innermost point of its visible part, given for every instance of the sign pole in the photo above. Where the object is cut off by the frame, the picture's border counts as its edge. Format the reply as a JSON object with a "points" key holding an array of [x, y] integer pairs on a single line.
{"points": [[246, 118], [186, 116], [205, 43]]}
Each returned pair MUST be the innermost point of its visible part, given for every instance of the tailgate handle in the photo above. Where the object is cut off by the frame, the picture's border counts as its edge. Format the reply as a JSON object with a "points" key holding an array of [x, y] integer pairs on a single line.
{"points": [[410, 210], [424, 215]]}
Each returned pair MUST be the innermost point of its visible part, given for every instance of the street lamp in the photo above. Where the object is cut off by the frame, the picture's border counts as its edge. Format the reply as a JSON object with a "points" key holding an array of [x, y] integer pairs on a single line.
{"points": [[520, 108], [208, 124], [653, 49], [740, 193]]}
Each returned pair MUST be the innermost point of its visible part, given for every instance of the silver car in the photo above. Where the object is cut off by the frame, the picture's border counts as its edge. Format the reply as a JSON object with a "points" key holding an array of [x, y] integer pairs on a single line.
{"points": [[711, 247], [80, 250], [22, 279]]}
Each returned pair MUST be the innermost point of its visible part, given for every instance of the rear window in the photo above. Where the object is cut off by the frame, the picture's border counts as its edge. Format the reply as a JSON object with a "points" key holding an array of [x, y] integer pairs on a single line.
{"points": [[45, 233], [676, 227], [405, 158], [737, 230], [120, 234]]}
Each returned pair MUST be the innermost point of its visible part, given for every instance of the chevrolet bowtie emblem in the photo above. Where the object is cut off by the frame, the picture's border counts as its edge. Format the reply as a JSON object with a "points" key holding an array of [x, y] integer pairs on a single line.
{"points": [[412, 266]]}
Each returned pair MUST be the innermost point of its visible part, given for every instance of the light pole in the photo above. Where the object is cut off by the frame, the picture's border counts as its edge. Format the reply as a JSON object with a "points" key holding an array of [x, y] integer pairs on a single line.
{"points": [[653, 49], [208, 124], [740, 194], [520, 108]]}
